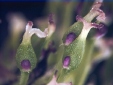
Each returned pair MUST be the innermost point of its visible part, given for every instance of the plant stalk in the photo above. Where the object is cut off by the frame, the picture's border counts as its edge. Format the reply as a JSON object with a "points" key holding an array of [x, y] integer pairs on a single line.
{"points": [[24, 78], [84, 68]]}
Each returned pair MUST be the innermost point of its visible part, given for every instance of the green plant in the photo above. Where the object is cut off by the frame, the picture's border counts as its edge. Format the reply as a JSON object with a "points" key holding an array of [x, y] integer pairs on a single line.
{"points": [[75, 45]]}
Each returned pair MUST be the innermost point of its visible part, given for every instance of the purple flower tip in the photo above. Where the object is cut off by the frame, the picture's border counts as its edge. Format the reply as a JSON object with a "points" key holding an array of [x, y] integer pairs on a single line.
{"points": [[51, 18], [66, 62], [26, 65], [30, 23], [70, 38]]}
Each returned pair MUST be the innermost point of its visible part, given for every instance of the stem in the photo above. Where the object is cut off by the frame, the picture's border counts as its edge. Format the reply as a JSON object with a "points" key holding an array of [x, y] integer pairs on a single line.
{"points": [[90, 16], [90, 44], [67, 17], [24, 78], [26, 38], [82, 71]]}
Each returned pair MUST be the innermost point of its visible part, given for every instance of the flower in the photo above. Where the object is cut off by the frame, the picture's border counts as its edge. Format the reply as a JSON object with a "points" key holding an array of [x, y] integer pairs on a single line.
{"points": [[25, 56]]}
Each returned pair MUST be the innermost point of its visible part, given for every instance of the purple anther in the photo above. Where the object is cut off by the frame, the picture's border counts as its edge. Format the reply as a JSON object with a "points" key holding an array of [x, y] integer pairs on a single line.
{"points": [[26, 65], [66, 62], [70, 38], [101, 32]]}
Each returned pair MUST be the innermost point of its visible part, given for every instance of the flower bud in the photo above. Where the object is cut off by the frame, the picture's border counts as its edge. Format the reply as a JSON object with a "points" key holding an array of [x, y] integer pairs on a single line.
{"points": [[77, 34], [25, 56]]}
